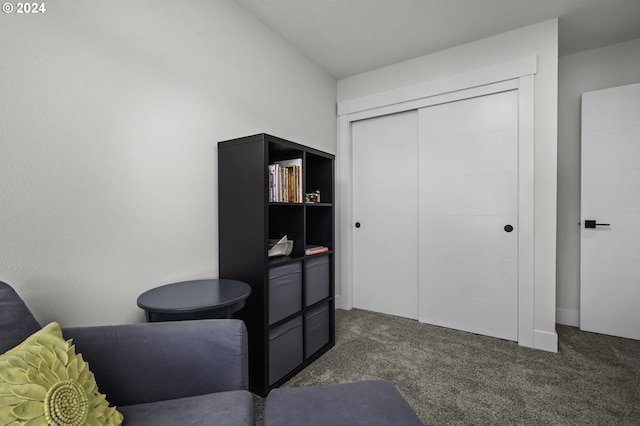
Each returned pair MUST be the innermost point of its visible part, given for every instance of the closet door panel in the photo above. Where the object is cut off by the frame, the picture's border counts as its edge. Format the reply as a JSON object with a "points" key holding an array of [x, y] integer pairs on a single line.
{"points": [[485, 277], [493, 153], [385, 208], [483, 114], [467, 157], [461, 235], [471, 195], [489, 317]]}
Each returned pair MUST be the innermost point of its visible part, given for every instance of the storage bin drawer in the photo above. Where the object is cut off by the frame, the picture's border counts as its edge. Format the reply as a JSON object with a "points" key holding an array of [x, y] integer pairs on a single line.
{"points": [[285, 291], [285, 349], [316, 323], [316, 275]]}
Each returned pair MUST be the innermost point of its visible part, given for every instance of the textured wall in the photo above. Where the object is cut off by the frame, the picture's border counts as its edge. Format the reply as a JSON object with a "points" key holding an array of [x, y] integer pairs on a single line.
{"points": [[110, 112]]}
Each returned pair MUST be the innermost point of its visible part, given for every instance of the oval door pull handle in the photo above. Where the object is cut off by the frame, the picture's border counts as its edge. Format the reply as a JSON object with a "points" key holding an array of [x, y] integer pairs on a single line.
{"points": [[508, 228], [357, 224]]}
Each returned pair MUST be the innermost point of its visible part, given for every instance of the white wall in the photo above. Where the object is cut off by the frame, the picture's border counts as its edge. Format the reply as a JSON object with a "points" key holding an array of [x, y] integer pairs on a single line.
{"points": [[110, 113], [541, 40], [596, 69]]}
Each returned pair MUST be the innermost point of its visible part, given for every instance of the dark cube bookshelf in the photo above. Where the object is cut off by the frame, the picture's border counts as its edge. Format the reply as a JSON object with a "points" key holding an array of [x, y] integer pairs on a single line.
{"points": [[290, 312]]}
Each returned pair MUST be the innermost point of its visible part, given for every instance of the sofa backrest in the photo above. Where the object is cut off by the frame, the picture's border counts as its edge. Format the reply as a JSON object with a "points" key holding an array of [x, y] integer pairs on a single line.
{"points": [[16, 320]]}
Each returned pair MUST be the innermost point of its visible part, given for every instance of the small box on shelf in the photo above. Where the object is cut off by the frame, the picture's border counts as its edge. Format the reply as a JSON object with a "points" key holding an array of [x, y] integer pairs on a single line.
{"points": [[317, 279], [285, 290], [316, 329], [285, 348]]}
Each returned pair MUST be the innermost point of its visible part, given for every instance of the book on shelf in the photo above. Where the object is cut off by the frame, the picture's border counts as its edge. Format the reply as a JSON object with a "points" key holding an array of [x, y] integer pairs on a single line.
{"points": [[312, 249], [285, 181]]}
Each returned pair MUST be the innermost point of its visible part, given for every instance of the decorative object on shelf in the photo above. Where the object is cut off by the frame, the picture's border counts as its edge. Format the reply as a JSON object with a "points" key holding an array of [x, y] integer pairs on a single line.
{"points": [[281, 247], [312, 197]]}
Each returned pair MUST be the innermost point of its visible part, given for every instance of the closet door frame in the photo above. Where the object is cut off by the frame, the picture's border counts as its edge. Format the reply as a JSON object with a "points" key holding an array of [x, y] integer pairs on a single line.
{"points": [[515, 75]]}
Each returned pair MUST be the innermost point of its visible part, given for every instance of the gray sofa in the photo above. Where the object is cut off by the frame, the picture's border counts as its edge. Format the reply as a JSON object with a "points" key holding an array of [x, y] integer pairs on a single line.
{"points": [[195, 373], [167, 373]]}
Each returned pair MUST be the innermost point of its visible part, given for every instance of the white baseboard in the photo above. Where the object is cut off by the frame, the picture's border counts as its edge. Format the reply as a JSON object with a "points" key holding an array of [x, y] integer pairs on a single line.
{"points": [[568, 317], [338, 302], [542, 340], [545, 341]]}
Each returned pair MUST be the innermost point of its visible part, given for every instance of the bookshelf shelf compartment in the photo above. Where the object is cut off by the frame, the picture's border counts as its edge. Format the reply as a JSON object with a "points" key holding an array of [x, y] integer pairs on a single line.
{"points": [[248, 218]]}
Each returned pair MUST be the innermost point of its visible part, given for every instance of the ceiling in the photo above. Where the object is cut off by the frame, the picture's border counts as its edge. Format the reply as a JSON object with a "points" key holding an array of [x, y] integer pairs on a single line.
{"points": [[348, 37]]}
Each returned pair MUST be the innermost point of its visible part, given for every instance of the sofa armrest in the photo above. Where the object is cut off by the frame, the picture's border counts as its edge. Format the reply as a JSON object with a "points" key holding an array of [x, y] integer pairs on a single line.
{"points": [[138, 363]]}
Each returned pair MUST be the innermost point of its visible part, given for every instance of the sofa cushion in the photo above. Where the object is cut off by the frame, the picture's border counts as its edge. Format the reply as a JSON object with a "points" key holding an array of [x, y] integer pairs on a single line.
{"points": [[158, 361], [370, 403], [43, 381], [232, 408], [16, 320]]}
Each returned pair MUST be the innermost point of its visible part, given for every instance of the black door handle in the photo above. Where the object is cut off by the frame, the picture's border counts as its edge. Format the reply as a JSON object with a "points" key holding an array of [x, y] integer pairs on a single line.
{"points": [[591, 224], [357, 224]]}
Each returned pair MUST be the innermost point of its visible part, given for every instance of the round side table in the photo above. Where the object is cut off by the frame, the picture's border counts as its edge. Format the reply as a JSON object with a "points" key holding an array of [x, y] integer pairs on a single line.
{"points": [[199, 299]]}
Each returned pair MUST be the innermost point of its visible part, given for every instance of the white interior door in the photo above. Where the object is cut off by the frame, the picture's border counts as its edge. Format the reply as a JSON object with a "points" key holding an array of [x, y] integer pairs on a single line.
{"points": [[385, 207], [610, 250], [468, 153]]}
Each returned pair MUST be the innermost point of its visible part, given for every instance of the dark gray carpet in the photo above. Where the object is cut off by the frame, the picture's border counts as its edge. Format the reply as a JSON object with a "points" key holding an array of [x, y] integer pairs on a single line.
{"points": [[452, 377]]}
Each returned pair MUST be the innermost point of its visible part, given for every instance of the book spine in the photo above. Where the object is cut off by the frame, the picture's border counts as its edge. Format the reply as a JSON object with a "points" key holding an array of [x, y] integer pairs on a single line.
{"points": [[285, 181], [317, 250]]}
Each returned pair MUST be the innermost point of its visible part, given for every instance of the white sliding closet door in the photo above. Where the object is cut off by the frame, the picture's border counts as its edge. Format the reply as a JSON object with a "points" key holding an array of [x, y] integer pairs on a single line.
{"points": [[385, 212], [468, 180]]}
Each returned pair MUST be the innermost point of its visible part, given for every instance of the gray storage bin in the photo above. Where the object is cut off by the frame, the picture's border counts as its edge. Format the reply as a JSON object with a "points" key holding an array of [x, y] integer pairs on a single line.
{"points": [[285, 349], [316, 275], [316, 327], [285, 291]]}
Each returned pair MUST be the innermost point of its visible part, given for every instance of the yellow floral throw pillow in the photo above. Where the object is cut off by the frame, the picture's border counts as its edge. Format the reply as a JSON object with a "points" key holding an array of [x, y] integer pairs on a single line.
{"points": [[43, 382]]}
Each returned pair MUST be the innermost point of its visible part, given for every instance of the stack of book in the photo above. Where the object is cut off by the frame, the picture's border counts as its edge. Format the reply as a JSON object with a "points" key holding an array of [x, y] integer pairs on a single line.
{"points": [[309, 250], [285, 181]]}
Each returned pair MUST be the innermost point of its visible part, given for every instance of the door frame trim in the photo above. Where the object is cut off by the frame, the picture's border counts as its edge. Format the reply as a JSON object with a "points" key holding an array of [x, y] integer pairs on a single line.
{"points": [[514, 75]]}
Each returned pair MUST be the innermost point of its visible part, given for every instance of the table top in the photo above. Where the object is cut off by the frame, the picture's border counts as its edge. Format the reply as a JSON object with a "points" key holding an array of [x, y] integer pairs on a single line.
{"points": [[194, 296]]}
